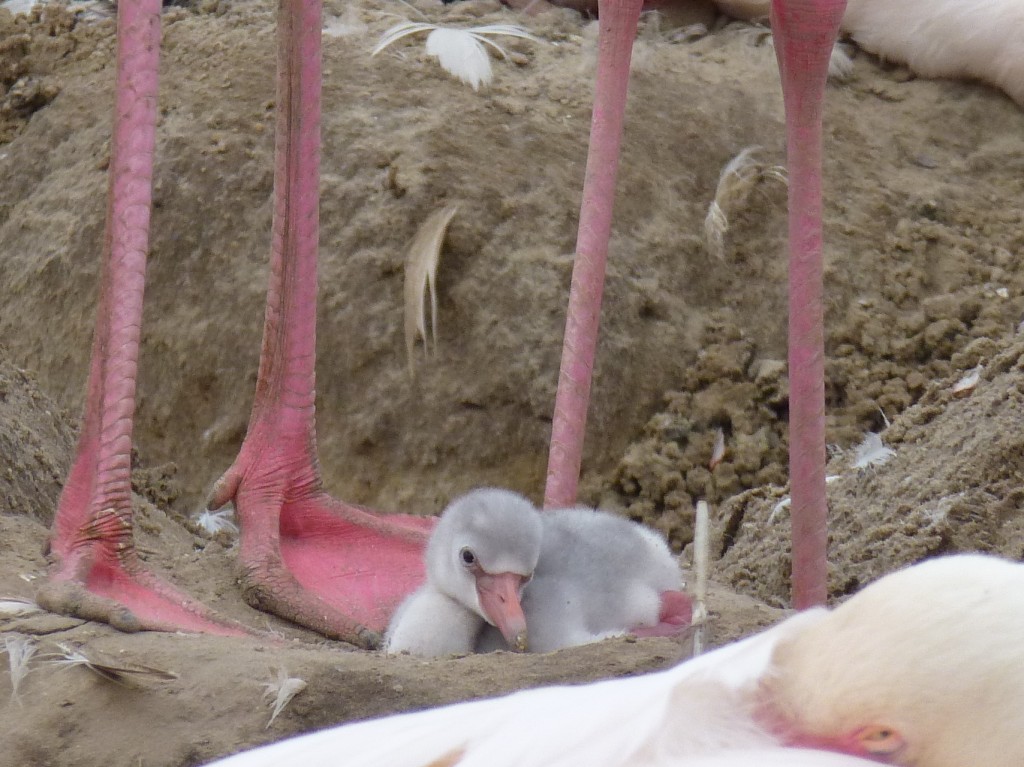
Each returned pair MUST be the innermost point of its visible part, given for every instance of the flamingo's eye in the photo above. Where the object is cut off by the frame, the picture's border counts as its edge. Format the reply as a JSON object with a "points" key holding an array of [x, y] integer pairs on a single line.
{"points": [[467, 556], [880, 741]]}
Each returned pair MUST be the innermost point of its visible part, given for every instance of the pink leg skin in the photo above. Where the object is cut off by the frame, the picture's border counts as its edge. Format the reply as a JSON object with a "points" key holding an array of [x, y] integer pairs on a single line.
{"points": [[98, 574], [805, 31], [618, 22], [338, 569], [675, 617]]}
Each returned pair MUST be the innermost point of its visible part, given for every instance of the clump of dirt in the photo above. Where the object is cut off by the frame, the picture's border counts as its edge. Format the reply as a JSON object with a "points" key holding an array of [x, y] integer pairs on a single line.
{"points": [[661, 477], [31, 48], [35, 441], [956, 483], [879, 368]]}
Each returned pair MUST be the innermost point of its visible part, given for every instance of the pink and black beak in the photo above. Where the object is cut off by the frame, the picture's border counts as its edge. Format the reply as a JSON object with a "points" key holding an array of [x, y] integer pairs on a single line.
{"points": [[499, 599]]}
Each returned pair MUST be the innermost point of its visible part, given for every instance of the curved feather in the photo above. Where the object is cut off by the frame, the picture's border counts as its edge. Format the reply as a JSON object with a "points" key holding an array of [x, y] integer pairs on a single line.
{"points": [[394, 34]]}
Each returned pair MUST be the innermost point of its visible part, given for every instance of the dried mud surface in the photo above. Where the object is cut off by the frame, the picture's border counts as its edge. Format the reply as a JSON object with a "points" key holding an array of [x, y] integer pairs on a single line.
{"points": [[924, 249]]}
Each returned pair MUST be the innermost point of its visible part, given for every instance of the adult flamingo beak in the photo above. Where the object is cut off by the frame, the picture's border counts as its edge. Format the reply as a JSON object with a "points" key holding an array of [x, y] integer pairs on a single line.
{"points": [[499, 599]]}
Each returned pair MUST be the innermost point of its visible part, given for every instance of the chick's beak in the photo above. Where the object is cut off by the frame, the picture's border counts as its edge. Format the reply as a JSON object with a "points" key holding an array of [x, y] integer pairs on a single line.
{"points": [[499, 599]]}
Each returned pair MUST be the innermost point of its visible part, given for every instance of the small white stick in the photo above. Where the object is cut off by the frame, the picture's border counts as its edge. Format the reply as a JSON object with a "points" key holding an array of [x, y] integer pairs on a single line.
{"points": [[701, 545]]}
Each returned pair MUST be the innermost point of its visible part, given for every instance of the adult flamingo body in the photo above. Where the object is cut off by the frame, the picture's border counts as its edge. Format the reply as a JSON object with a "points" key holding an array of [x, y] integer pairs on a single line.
{"points": [[919, 669]]}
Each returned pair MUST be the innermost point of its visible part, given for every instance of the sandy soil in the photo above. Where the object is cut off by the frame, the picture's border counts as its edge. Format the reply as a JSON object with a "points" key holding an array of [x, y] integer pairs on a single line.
{"points": [[925, 281]]}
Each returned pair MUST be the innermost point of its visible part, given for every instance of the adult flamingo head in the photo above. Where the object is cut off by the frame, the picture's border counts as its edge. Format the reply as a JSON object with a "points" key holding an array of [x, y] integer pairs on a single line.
{"points": [[921, 668]]}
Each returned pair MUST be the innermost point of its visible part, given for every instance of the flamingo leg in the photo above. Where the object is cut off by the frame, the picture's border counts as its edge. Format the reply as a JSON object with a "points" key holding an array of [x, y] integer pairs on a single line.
{"points": [[97, 573], [336, 568], [804, 32], [618, 23]]}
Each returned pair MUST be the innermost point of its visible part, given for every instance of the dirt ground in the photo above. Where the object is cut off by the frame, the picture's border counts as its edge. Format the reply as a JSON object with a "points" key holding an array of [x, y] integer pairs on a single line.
{"points": [[924, 248]]}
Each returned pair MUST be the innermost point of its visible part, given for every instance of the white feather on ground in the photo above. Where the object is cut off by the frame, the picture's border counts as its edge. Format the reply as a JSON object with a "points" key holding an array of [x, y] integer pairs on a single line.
{"points": [[14, 607], [283, 689], [461, 54], [840, 65], [460, 51], [872, 452], [121, 672], [20, 650], [213, 522]]}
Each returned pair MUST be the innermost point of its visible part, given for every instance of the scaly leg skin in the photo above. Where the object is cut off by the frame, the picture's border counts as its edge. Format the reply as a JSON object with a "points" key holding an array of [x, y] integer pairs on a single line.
{"points": [[335, 568], [98, 575], [805, 32], [618, 23]]}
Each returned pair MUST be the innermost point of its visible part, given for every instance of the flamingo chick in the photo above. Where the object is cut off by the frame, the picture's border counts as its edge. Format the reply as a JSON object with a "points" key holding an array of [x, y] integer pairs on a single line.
{"points": [[920, 669], [599, 576], [482, 552], [502, 575]]}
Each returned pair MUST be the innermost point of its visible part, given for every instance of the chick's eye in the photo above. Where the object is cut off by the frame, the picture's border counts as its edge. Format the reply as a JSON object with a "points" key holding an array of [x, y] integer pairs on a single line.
{"points": [[467, 556]]}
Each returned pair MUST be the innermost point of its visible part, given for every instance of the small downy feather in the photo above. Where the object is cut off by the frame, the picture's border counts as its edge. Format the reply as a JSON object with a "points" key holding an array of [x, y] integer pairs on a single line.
{"points": [[460, 52], [966, 385], [20, 650], [283, 689], [871, 452], [214, 522], [786, 502], [840, 65], [718, 451], [420, 276]]}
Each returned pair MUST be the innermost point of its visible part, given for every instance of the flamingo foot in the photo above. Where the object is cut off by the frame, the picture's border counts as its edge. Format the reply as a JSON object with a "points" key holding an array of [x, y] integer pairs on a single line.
{"points": [[101, 578], [98, 574], [336, 568]]}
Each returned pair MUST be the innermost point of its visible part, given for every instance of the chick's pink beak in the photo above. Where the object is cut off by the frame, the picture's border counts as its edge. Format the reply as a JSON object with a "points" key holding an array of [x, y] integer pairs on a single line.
{"points": [[499, 599]]}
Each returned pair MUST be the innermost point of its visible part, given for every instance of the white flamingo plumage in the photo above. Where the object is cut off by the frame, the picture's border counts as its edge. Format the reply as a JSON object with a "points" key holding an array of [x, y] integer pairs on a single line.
{"points": [[921, 668]]}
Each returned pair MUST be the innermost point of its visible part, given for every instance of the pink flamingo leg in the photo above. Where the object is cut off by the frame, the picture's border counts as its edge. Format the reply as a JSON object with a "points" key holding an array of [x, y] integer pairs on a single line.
{"points": [[336, 568], [98, 574], [618, 22], [805, 31]]}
